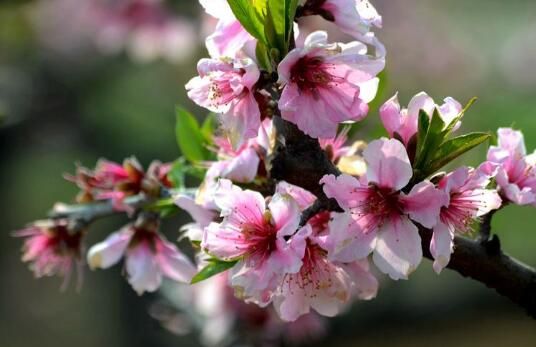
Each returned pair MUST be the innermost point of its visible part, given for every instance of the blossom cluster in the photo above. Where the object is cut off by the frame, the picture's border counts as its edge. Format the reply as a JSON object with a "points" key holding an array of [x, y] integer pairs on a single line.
{"points": [[145, 29], [277, 244]]}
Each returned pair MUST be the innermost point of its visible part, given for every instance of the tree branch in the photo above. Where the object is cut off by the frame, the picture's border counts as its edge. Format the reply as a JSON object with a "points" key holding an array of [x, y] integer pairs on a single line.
{"points": [[508, 276], [299, 160]]}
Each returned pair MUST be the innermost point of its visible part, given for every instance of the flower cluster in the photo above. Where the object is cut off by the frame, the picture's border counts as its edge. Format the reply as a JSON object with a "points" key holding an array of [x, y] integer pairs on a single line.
{"points": [[145, 29], [293, 247], [116, 182]]}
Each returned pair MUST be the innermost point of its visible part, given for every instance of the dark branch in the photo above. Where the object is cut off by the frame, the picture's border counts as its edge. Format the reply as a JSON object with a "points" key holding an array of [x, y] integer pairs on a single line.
{"points": [[508, 276], [298, 159]]}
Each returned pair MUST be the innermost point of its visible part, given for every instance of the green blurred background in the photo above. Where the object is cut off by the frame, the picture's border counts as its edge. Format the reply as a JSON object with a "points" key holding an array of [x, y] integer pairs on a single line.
{"points": [[57, 109]]}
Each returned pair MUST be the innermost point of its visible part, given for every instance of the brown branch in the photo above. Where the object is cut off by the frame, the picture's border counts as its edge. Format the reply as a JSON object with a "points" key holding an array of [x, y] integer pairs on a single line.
{"points": [[298, 159], [496, 270]]}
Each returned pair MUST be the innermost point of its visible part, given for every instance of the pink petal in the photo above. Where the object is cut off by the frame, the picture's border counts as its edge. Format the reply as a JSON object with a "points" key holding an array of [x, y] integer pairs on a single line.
{"points": [[398, 248], [345, 189], [142, 269], [348, 239], [424, 203], [423, 102], [285, 214], [201, 215], [365, 284], [110, 251], [173, 263], [390, 115], [303, 198], [223, 241], [388, 164], [512, 140], [441, 246], [243, 168]]}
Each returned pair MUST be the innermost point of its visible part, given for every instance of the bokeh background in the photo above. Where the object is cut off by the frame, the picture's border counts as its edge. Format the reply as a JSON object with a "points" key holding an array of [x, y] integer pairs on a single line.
{"points": [[62, 100]]}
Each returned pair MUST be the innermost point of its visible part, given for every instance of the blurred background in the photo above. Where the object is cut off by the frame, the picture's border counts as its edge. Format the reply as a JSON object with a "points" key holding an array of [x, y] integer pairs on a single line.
{"points": [[76, 85]]}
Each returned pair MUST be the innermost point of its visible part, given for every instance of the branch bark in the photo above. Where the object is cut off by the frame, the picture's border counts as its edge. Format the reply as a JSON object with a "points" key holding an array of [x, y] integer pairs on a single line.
{"points": [[298, 159]]}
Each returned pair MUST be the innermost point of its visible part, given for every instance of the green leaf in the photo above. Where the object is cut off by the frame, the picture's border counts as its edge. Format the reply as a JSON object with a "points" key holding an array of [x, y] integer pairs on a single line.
{"points": [[279, 24], [261, 52], [177, 174], [455, 147], [251, 14], [165, 207], [214, 267], [189, 136], [208, 127], [432, 138]]}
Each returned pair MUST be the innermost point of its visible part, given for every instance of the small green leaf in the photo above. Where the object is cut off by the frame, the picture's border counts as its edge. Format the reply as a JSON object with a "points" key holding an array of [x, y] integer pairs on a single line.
{"points": [[455, 147], [214, 267], [189, 137], [208, 127], [261, 52], [165, 207], [432, 138], [424, 123], [177, 174]]}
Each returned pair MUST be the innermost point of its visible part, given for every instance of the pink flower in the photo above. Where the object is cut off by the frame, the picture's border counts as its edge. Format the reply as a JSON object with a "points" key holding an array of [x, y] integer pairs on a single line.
{"points": [[378, 216], [354, 17], [259, 236], [149, 257], [326, 84], [403, 123], [468, 200], [322, 284], [514, 170], [241, 165], [227, 87], [201, 215], [52, 249]]}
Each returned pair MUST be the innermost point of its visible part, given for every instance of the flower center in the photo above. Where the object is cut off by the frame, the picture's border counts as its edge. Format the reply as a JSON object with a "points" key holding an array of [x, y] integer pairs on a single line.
{"points": [[262, 241], [310, 74]]}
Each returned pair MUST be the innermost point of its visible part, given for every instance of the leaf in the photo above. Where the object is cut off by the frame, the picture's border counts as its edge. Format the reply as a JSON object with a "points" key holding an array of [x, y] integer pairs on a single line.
{"points": [[432, 138], [165, 207], [279, 24], [261, 52], [208, 127], [214, 267], [177, 174], [189, 137], [251, 14], [455, 147]]}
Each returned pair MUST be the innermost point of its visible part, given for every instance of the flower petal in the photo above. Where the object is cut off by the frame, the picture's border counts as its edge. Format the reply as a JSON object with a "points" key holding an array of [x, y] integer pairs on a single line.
{"points": [[142, 269], [423, 203], [388, 164], [398, 248], [110, 251], [441, 246]]}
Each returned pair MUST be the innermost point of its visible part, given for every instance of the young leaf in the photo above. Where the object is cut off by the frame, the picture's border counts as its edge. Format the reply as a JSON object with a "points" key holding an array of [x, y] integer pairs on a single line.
{"points": [[432, 139], [214, 267], [455, 147], [261, 52], [208, 127], [189, 137]]}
